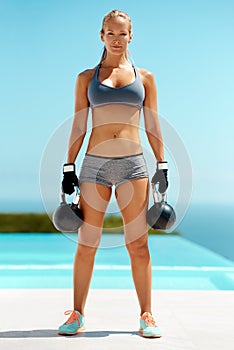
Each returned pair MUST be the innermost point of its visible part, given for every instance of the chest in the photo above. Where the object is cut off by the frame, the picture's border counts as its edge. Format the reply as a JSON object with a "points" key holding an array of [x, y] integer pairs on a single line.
{"points": [[116, 77], [103, 88]]}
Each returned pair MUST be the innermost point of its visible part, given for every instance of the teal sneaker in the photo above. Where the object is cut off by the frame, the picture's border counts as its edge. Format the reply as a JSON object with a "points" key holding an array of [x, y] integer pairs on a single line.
{"points": [[74, 325], [148, 326]]}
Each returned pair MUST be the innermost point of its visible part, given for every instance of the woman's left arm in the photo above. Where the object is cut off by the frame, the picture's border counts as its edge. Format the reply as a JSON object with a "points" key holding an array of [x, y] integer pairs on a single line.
{"points": [[152, 125]]}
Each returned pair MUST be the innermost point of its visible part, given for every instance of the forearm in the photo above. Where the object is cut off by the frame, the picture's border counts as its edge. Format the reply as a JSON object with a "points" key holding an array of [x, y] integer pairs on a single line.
{"points": [[156, 144], [153, 132], [74, 148], [78, 132]]}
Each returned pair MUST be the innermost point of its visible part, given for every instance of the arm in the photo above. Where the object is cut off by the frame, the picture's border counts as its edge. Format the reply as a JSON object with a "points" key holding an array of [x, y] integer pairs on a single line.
{"points": [[153, 132], [152, 125], [79, 125]]}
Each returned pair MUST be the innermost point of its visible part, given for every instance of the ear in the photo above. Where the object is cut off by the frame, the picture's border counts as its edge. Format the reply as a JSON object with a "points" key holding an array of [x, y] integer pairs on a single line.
{"points": [[101, 36], [130, 39]]}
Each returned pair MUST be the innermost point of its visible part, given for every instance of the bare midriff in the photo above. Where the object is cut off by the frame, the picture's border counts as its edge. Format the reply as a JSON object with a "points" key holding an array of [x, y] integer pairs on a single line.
{"points": [[115, 131]]}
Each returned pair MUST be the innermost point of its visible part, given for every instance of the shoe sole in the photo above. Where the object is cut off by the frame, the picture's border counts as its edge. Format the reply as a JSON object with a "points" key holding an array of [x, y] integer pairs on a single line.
{"points": [[81, 329], [149, 336]]}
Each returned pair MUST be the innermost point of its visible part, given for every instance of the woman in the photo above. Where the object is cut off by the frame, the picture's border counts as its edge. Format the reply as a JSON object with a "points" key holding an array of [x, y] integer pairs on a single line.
{"points": [[116, 91]]}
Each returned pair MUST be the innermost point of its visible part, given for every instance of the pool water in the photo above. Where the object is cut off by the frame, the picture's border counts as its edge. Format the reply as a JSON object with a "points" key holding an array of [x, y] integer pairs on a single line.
{"points": [[46, 261]]}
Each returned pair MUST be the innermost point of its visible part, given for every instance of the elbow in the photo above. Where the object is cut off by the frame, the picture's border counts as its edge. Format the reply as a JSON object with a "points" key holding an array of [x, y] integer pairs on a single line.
{"points": [[152, 130]]}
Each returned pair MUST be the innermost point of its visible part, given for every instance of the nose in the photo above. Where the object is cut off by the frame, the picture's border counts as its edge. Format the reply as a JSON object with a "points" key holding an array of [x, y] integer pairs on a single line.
{"points": [[116, 41]]}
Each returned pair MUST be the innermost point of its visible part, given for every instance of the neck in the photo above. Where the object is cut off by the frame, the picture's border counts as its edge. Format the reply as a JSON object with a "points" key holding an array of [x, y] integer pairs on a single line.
{"points": [[114, 61]]}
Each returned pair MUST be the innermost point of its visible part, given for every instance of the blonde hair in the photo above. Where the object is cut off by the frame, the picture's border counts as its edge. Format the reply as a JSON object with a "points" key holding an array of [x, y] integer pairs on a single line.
{"points": [[114, 14]]}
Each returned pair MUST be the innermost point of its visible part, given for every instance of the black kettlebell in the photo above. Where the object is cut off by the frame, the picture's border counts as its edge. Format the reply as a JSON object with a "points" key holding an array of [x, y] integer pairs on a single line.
{"points": [[161, 216]]}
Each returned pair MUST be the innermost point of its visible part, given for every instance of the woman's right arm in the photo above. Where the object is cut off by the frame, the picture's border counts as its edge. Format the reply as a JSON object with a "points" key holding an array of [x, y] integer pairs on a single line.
{"points": [[79, 125]]}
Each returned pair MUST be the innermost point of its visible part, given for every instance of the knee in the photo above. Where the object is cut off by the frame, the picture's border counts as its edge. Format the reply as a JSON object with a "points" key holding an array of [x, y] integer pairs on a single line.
{"points": [[138, 248], [89, 236]]}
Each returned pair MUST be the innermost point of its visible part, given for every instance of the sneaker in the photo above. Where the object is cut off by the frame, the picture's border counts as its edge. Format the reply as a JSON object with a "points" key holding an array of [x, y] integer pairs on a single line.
{"points": [[148, 326], [74, 324]]}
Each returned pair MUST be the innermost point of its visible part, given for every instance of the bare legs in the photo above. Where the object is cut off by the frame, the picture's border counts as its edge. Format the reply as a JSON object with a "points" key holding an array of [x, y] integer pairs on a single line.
{"points": [[141, 272], [133, 212], [83, 268], [132, 198], [93, 202]]}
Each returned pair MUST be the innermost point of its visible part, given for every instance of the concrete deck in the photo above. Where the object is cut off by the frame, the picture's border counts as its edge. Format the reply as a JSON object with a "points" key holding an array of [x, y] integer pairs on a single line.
{"points": [[188, 320]]}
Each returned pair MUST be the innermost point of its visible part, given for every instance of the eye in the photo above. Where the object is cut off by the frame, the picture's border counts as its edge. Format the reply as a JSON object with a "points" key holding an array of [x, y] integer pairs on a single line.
{"points": [[124, 34]]}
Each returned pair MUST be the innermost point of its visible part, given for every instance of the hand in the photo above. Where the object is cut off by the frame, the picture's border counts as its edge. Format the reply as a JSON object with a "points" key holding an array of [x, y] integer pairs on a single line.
{"points": [[161, 176], [69, 178]]}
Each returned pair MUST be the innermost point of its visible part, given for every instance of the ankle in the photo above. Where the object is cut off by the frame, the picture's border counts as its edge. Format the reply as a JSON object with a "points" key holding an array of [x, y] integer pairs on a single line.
{"points": [[142, 312], [80, 311]]}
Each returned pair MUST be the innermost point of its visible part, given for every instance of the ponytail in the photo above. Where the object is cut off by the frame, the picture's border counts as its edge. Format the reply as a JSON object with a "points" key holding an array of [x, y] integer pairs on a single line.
{"points": [[103, 55]]}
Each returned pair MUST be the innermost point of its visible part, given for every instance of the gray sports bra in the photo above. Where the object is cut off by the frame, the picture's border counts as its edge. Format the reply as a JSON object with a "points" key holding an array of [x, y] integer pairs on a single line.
{"points": [[100, 94]]}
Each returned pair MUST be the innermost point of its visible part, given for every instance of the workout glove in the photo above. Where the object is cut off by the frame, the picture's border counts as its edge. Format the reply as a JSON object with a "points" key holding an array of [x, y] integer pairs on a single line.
{"points": [[161, 176], [69, 178]]}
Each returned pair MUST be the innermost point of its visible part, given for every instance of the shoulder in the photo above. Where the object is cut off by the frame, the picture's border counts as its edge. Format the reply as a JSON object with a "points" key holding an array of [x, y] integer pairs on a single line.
{"points": [[87, 73], [147, 77], [84, 77]]}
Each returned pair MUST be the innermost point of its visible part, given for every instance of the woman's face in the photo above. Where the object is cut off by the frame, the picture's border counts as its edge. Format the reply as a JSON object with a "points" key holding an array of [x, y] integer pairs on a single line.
{"points": [[116, 35]]}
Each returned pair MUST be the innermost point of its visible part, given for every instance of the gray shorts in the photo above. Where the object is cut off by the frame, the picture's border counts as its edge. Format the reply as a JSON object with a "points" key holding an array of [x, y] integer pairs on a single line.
{"points": [[112, 171]]}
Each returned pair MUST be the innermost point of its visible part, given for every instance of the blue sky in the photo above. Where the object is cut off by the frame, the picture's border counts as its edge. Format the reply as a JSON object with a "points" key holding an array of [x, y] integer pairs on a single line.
{"points": [[188, 45]]}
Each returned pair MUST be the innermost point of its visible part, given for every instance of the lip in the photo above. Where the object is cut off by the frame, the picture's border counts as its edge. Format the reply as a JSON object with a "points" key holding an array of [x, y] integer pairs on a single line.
{"points": [[116, 47]]}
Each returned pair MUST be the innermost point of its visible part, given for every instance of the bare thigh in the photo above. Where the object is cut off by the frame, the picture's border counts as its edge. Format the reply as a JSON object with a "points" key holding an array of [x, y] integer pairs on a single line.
{"points": [[132, 198], [94, 199]]}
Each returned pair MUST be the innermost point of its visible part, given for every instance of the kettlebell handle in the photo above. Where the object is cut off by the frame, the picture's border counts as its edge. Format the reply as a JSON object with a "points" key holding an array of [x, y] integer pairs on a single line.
{"points": [[76, 198], [157, 194]]}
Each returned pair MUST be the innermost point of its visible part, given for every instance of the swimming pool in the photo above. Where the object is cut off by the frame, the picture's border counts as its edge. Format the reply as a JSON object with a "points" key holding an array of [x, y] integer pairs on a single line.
{"points": [[46, 261]]}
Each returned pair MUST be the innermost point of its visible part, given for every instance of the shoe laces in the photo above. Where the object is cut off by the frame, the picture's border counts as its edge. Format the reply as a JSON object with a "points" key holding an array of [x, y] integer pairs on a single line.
{"points": [[148, 318], [73, 316]]}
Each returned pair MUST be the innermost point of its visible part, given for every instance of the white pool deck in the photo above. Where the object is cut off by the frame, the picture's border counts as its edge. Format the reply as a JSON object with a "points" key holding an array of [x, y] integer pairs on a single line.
{"points": [[188, 320]]}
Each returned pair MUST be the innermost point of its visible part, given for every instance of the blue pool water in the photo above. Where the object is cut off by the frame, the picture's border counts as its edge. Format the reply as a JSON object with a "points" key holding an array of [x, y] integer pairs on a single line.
{"points": [[46, 261], [211, 226]]}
